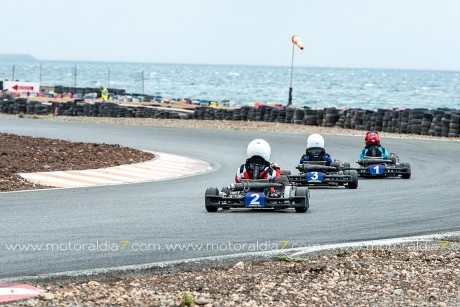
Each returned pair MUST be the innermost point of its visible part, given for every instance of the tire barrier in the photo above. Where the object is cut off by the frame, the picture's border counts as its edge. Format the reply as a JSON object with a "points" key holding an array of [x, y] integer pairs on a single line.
{"points": [[441, 122], [80, 108], [437, 122]]}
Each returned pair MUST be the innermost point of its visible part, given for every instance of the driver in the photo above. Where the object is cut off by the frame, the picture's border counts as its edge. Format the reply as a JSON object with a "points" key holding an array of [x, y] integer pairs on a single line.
{"points": [[373, 148], [315, 150], [258, 154]]}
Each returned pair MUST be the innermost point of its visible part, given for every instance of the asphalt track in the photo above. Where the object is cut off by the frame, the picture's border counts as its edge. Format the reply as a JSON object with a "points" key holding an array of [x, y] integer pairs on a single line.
{"points": [[68, 225]]}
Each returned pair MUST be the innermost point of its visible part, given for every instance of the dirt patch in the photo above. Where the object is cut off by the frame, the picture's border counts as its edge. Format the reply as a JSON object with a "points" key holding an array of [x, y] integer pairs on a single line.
{"points": [[22, 154]]}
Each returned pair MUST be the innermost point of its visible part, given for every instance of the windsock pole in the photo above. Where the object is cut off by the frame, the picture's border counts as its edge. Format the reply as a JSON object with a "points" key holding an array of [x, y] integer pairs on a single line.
{"points": [[290, 84], [295, 41]]}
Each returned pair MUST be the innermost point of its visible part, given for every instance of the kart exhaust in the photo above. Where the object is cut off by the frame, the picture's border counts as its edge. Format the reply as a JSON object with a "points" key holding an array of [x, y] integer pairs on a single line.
{"points": [[376, 161], [250, 186], [316, 168]]}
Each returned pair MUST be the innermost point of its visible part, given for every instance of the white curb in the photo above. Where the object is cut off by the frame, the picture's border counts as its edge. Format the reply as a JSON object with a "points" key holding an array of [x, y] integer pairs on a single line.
{"points": [[164, 166]]}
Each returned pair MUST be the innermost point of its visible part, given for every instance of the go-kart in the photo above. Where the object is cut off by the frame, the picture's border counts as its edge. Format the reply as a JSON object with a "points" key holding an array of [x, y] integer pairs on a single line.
{"points": [[383, 167], [317, 173], [255, 193]]}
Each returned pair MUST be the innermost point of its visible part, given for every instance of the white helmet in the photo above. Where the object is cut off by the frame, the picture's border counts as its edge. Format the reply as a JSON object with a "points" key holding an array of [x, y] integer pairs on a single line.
{"points": [[260, 148], [315, 140]]}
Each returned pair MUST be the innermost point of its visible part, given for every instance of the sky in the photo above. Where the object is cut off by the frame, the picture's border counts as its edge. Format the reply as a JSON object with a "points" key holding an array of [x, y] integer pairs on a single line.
{"points": [[401, 34]]}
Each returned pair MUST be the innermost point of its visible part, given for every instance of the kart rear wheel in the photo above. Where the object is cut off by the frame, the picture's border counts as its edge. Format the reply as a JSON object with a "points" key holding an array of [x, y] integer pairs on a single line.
{"points": [[303, 191], [287, 173], [354, 179], [406, 175], [211, 192], [346, 165]]}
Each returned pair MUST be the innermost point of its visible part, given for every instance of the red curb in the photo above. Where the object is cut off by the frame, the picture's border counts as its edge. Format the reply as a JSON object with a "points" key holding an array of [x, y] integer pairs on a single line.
{"points": [[14, 292]]}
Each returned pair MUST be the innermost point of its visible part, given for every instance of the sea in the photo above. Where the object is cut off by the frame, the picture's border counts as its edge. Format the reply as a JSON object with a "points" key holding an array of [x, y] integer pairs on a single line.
{"points": [[313, 87]]}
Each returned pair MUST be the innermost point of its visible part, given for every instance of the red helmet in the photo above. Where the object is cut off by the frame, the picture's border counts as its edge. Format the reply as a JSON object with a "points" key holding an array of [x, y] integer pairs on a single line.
{"points": [[372, 138]]}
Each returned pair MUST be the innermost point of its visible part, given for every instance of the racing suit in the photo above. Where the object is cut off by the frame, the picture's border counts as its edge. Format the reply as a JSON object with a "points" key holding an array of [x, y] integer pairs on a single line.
{"points": [[316, 154], [271, 171], [373, 151]]}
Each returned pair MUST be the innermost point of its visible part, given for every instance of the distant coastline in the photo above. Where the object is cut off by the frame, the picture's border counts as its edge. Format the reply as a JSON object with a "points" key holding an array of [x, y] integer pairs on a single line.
{"points": [[16, 57]]}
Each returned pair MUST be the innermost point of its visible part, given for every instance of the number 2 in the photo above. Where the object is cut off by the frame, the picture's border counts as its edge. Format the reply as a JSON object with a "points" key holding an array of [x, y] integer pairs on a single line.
{"points": [[255, 199]]}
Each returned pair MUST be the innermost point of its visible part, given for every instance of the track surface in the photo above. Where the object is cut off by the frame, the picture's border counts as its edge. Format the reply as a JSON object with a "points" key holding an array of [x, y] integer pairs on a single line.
{"points": [[172, 212]]}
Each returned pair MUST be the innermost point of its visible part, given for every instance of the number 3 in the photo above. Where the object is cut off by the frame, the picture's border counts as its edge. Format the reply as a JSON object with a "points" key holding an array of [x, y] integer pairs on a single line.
{"points": [[315, 176]]}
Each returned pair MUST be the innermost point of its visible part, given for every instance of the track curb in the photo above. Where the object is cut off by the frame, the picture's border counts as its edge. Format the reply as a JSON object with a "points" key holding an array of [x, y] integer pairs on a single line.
{"points": [[164, 166]]}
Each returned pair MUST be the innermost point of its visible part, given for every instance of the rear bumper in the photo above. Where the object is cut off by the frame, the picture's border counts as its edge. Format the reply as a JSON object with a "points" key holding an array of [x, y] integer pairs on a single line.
{"points": [[388, 172], [328, 180]]}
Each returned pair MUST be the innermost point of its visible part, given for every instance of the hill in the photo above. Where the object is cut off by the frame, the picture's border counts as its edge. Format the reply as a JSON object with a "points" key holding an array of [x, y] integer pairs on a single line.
{"points": [[16, 57]]}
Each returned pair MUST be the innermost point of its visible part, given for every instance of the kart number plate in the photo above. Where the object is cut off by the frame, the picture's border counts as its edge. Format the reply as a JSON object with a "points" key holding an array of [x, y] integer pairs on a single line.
{"points": [[376, 169], [315, 177], [254, 200]]}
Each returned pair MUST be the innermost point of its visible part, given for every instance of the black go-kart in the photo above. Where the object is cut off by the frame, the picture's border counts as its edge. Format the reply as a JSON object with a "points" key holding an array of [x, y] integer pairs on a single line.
{"points": [[383, 167], [317, 173], [255, 193]]}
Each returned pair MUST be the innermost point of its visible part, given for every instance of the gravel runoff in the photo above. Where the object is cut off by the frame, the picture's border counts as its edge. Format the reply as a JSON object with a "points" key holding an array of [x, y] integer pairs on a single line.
{"points": [[419, 273], [228, 125]]}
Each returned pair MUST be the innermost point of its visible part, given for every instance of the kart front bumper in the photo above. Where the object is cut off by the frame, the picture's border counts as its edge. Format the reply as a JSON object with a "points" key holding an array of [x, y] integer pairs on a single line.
{"points": [[270, 202]]}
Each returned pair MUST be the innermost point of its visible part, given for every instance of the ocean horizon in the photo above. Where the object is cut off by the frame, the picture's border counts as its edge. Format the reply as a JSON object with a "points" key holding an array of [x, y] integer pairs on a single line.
{"points": [[366, 88]]}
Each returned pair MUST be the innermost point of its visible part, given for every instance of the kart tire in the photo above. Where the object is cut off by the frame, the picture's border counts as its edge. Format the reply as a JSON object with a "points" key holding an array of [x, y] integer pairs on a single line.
{"points": [[408, 174], [346, 165], [354, 179], [208, 204], [225, 190], [287, 173], [303, 191]]}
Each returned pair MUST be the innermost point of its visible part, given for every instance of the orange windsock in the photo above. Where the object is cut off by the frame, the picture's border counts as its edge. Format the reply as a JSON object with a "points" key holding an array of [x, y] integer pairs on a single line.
{"points": [[296, 41]]}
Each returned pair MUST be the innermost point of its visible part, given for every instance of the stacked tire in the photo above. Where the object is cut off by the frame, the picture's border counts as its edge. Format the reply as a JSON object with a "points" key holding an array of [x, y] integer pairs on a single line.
{"points": [[454, 125]]}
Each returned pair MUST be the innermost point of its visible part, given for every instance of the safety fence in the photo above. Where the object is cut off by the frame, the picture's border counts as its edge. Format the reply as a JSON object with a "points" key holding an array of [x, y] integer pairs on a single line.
{"points": [[436, 122]]}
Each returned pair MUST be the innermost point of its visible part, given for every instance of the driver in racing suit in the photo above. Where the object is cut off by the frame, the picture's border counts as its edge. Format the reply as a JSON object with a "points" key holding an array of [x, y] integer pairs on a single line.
{"points": [[373, 147], [315, 150], [259, 152]]}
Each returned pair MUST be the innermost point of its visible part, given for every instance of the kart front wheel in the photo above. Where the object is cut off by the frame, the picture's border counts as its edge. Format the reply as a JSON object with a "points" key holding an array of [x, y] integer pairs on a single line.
{"points": [[208, 204], [226, 191], [406, 175], [303, 191]]}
